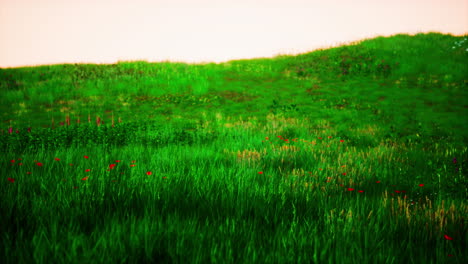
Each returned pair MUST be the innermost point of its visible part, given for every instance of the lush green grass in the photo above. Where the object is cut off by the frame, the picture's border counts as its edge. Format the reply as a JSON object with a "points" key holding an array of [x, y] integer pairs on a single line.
{"points": [[355, 154]]}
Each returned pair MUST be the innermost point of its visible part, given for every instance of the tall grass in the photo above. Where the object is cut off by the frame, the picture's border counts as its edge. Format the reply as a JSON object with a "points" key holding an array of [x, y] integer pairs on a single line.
{"points": [[355, 154]]}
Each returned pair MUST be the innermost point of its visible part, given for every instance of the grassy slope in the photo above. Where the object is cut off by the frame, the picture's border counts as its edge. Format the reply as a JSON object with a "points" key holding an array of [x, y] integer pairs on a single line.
{"points": [[420, 75], [397, 103]]}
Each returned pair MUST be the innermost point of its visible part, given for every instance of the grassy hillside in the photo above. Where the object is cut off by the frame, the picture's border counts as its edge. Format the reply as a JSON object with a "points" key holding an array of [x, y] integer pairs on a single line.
{"points": [[420, 73], [353, 154]]}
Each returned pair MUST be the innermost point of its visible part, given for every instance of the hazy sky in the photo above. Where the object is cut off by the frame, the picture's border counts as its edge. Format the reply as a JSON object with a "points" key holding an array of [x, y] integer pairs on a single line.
{"points": [[37, 32]]}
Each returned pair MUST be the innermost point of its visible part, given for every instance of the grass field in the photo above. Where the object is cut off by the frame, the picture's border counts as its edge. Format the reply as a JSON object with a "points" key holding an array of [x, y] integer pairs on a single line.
{"points": [[353, 154]]}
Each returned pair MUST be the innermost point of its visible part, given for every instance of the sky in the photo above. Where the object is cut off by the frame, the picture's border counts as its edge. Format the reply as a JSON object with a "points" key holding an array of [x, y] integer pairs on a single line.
{"points": [[44, 32]]}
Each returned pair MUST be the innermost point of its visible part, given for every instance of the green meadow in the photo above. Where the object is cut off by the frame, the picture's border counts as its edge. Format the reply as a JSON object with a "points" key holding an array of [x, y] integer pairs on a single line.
{"points": [[350, 154]]}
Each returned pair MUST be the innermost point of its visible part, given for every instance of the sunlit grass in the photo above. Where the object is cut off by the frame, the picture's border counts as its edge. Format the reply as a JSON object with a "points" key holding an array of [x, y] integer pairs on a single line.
{"points": [[308, 159]]}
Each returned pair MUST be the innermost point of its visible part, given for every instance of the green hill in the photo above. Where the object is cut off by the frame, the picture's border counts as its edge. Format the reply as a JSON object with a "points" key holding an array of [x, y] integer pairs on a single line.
{"points": [[353, 154]]}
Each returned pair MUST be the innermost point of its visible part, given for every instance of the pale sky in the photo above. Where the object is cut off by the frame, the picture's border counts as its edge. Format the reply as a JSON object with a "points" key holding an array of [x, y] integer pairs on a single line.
{"points": [[40, 32]]}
